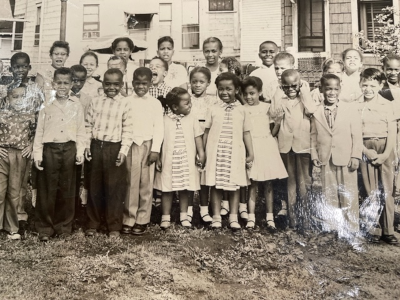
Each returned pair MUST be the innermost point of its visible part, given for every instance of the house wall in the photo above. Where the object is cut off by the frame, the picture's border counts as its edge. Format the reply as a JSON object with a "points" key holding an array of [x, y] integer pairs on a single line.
{"points": [[340, 25], [287, 21]]}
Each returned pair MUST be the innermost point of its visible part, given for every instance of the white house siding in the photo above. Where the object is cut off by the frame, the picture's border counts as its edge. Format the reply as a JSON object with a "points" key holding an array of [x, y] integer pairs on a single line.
{"points": [[260, 21]]}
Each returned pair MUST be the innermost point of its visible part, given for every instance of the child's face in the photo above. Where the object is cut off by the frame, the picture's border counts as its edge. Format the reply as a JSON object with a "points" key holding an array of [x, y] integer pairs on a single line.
{"points": [[62, 85], [370, 88], [251, 95], [165, 51], [211, 53], [291, 86], [112, 84], [58, 57], [20, 69], [223, 68], [267, 54], [123, 50], [117, 64], [227, 91], [331, 90], [281, 66], [15, 98], [89, 62], [199, 84], [157, 67], [141, 85], [184, 107], [335, 69], [78, 81], [352, 61], [392, 70]]}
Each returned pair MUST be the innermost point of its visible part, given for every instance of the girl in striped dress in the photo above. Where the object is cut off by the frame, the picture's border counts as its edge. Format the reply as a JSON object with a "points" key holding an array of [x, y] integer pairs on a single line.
{"points": [[229, 149], [177, 164]]}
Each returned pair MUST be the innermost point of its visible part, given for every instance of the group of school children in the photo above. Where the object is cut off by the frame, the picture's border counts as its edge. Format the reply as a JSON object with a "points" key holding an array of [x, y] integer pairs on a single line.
{"points": [[142, 132]]}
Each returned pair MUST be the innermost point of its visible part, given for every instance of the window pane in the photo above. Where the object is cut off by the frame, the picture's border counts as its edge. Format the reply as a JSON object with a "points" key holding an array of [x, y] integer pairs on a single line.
{"points": [[165, 12], [90, 9], [190, 12], [190, 37], [220, 5], [90, 27], [90, 18], [311, 26]]}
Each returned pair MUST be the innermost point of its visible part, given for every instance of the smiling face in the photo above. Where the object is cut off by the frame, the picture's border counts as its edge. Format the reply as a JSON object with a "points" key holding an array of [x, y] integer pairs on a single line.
{"points": [[122, 50], [157, 68], [251, 95], [112, 84], [89, 62], [20, 69], [392, 70], [291, 86], [352, 62], [331, 90], [370, 88], [15, 98], [78, 81], [211, 53], [281, 66], [184, 107], [58, 57], [166, 51], [141, 85], [199, 84], [62, 84], [267, 54], [227, 91]]}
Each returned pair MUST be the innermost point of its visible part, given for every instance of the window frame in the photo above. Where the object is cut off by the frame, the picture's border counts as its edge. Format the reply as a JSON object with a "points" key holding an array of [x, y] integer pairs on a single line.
{"points": [[36, 39], [210, 3], [90, 23], [191, 25]]}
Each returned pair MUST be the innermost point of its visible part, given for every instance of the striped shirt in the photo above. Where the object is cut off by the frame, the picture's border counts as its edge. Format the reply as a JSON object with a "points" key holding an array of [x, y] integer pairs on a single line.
{"points": [[109, 120]]}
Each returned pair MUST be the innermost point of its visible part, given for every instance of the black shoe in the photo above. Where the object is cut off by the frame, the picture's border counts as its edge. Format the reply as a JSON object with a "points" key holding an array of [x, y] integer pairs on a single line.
{"points": [[372, 238], [23, 227], [126, 229], [44, 238], [138, 229], [390, 239]]}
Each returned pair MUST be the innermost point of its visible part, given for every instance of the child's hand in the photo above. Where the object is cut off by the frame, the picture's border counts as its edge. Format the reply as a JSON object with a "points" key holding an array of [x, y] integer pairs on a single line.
{"points": [[371, 154], [88, 155], [317, 163], [152, 158], [26, 152], [79, 160], [249, 161], [277, 117], [381, 158], [3, 153], [158, 165], [120, 159], [38, 165], [353, 165], [201, 161]]}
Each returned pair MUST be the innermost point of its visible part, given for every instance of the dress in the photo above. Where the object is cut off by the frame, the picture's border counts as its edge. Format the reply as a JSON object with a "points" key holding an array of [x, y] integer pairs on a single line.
{"points": [[200, 105], [176, 76], [227, 123], [267, 164], [91, 87]]}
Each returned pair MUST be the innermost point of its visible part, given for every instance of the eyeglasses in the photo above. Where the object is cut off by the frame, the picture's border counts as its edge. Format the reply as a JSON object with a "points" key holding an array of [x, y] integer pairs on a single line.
{"points": [[287, 87]]}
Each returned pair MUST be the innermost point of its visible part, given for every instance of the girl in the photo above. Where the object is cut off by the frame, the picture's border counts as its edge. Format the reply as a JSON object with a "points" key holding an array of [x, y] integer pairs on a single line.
{"points": [[177, 162], [377, 170], [91, 62], [227, 140], [350, 90], [200, 78], [177, 74], [212, 50], [267, 163]]}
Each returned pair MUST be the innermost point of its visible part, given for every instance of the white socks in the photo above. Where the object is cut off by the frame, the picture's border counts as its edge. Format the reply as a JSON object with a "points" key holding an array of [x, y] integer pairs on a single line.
{"points": [[165, 221], [204, 214], [283, 211], [34, 196], [243, 211], [190, 213], [233, 221], [83, 196], [216, 221], [251, 221], [224, 207], [183, 216]]}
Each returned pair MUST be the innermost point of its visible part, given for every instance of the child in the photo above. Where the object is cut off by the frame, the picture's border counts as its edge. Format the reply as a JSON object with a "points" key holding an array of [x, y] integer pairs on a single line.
{"points": [[294, 140], [391, 68], [178, 163], [212, 50], [336, 148], [124, 47], [109, 126], [91, 62], [148, 130], [350, 90], [379, 135], [267, 52], [267, 164], [229, 149], [117, 62], [177, 74], [199, 82], [17, 129], [159, 69], [59, 143], [231, 64]]}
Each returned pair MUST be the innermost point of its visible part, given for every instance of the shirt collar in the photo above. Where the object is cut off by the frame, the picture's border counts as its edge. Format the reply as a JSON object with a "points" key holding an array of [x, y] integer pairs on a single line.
{"points": [[380, 100], [392, 86], [272, 67], [145, 96]]}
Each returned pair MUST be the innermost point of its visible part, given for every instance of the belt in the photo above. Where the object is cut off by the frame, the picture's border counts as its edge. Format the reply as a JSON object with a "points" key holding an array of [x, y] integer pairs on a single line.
{"points": [[202, 121], [374, 138], [59, 144], [102, 143]]}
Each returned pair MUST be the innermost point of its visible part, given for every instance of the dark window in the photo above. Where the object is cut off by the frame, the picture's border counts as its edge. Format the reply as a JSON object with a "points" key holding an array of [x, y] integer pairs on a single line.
{"points": [[220, 5], [368, 10], [37, 26], [311, 26], [19, 29]]}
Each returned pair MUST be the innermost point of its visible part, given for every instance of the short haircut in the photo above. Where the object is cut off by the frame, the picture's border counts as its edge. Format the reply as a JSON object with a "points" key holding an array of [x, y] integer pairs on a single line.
{"points": [[63, 71], [213, 40], [202, 70], [174, 96], [288, 73], [373, 74], [284, 56], [165, 39], [113, 71], [324, 79], [143, 72], [233, 65], [115, 58], [389, 57], [228, 76], [89, 53], [78, 68], [252, 81], [20, 55], [114, 44], [163, 61], [344, 53], [60, 44], [268, 42], [330, 61]]}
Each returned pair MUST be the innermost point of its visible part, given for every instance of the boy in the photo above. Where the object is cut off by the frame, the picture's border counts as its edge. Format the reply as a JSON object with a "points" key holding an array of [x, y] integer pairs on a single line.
{"points": [[336, 148], [391, 68], [148, 129], [294, 140], [17, 129], [159, 69], [109, 127], [59, 144], [120, 63], [267, 52]]}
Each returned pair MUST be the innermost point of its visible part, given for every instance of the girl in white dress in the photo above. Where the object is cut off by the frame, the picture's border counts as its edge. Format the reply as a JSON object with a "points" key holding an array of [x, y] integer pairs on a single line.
{"points": [[90, 61], [267, 164]]}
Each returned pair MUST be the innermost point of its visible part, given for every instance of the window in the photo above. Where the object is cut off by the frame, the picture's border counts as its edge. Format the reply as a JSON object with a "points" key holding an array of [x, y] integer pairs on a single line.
{"points": [[311, 26], [190, 24], [221, 5], [19, 29], [91, 22], [367, 12], [165, 19], [37, 26]]}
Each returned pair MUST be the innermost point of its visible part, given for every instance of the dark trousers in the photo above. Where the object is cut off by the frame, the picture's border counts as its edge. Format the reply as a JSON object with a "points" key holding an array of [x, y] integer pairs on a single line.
{"points": [[55, 206], [85, 169], [108, 185]]}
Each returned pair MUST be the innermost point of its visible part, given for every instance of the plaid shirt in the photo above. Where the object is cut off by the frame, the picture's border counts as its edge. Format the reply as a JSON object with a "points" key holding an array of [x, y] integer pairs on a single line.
{"points": [[109, 120], [161, 90]]}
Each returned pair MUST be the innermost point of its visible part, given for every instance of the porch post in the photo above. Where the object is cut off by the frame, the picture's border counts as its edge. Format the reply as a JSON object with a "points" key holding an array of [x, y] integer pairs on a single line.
{"points": [[63, 21]]}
